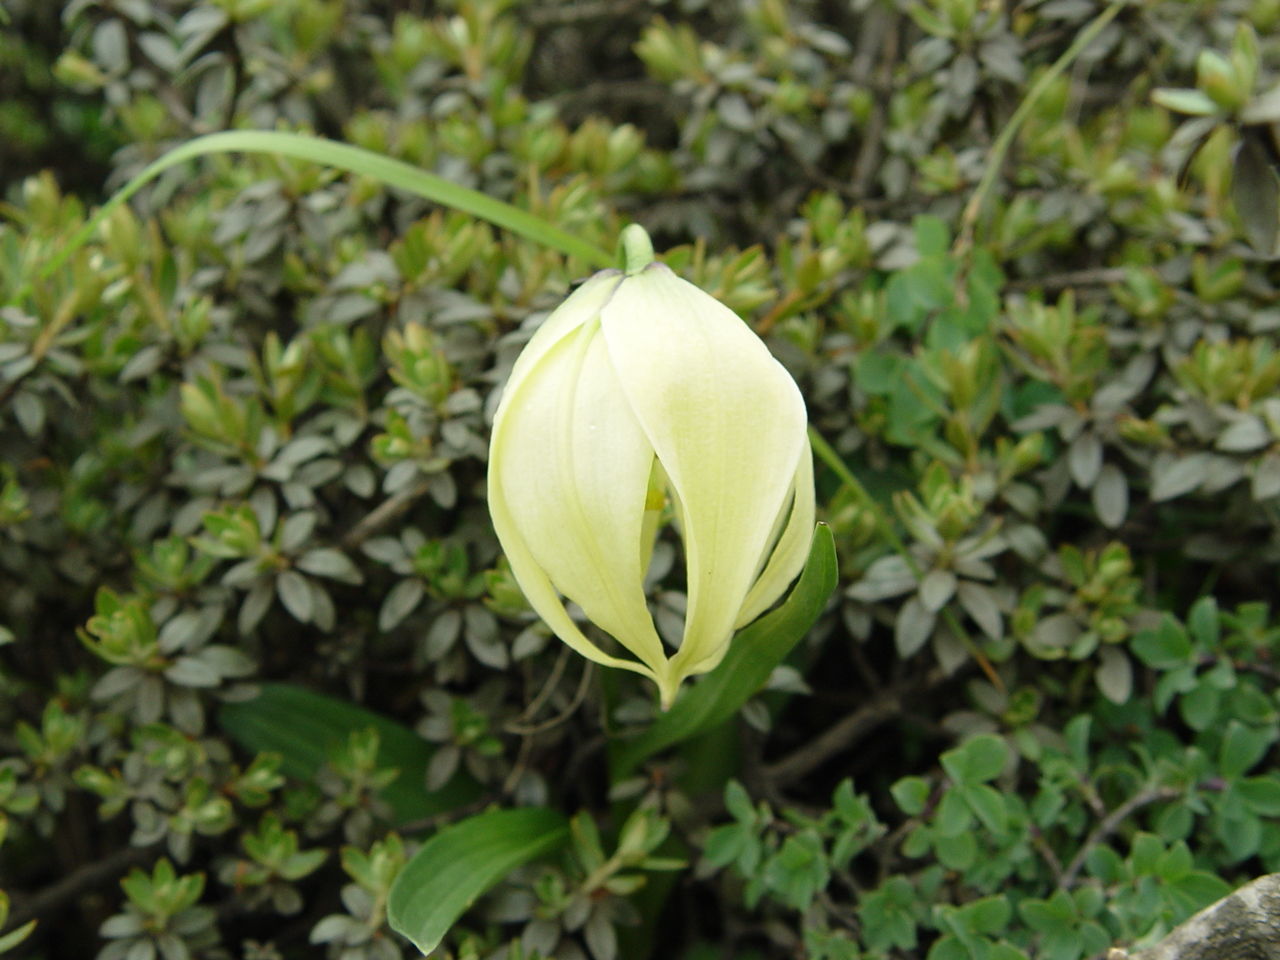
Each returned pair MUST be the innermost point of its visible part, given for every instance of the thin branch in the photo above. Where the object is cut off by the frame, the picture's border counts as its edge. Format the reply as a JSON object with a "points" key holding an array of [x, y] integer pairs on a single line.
{"points": [[848, 731], [48, 901], [579, 695], [1099, 276], [1109, 825], [827, 454], [384, 513], [580, 12]]}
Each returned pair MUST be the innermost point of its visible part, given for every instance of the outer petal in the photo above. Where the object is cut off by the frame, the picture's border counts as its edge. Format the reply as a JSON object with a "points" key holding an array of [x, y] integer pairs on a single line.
{"points": [[582, 305], [788, 557], [573, 467], [728, 425]]}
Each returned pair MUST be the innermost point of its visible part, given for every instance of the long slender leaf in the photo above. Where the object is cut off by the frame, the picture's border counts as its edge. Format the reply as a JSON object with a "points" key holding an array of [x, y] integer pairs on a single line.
{"points": [[751, 658], [461, 862], [344, 156], [305, 727]]}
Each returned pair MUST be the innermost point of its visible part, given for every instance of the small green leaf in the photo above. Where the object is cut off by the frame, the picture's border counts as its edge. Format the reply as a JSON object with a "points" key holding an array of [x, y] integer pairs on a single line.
{"points": [[1202, 621], [988, 915], [1185, 100], [954, 816], [956, 853], [751, 658], [1200, 706], [911, 794], [14, 937], [1255, 191], [977, 760], [463, 861], [1261, 794], [989, 806], [1242, 747], [932, 237], [1165, 647]]}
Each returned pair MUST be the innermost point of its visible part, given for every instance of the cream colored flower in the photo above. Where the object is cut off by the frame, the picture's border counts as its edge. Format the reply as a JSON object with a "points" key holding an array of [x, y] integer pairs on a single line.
{"points": [[639, 388]]}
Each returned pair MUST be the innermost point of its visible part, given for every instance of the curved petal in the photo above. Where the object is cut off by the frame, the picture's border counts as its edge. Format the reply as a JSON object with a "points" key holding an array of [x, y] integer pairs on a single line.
{"points": [[540, 593], [792, 549], [580, 306], [727, 423], [573, 468]]}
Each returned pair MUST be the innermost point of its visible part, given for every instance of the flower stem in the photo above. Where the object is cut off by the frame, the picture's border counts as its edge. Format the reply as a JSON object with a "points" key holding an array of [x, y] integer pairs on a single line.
{"points": [[636, 249], [996, 156], [827, 454]]}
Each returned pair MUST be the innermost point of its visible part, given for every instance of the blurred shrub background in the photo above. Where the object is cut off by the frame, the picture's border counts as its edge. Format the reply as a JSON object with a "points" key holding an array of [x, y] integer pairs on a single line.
{"points": [[257, 638]]}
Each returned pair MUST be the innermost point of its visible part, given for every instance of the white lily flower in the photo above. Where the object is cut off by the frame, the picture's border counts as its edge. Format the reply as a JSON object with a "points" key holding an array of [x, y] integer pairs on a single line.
{"points": [[640, 387]]}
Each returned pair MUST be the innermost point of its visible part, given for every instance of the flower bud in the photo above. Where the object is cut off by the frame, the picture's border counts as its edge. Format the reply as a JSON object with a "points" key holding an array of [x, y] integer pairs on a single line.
{"points": [[638, 391]]}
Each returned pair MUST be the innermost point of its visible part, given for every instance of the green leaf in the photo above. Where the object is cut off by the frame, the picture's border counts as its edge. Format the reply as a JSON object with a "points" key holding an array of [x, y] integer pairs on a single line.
{"points": [[461, 862], [1199, 707], [932, 236], [1197, 890], [1242, 747], [752, 656], [14, 937], [988, 915], [1203, 622], [988, 804], [305, 727], [1105, 865], [1145, 854], [949, 948], [911, 794], [343, 156], [956, 853], [1261, 794], [1255, 191], [954, 816], [1165, 647], [1185, 100], [976, 760], [887, 917]]}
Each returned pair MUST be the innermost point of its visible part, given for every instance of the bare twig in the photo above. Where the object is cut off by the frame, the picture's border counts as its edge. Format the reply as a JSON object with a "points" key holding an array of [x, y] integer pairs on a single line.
{"points": [[1110, 823], [580, 12], [384, 513], [578, 696], [1100, 276], [849, 730], [52, 898]]}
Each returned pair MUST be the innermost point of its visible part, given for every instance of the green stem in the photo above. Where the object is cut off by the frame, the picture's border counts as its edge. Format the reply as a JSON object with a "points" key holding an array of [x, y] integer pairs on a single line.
{"points": [[637, 249], [827, 454], [344, 156], [995, 160]]}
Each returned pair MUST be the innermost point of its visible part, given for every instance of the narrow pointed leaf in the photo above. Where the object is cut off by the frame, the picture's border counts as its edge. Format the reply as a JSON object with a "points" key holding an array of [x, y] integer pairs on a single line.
{"points": [[752, 656], [344, 156], [461, 862]]}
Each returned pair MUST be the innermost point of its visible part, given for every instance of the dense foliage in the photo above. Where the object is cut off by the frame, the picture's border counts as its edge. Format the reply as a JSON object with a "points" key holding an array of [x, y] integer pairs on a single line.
{"points": [[258, 640]]}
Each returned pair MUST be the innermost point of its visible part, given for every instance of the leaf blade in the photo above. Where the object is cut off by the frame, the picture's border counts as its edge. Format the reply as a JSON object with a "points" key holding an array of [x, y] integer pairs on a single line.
{"points": [[304, 727], [452, 869]]}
